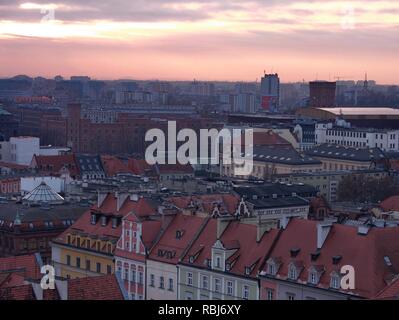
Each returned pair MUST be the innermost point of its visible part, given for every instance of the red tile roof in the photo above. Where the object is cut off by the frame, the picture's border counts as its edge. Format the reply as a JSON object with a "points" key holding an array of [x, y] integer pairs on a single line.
{"points": [[13, 165], [95, 288], [140, 167], [22, 292], [364, 252], [237, 236], [175, 169], [54, 164], [227, 203], [175, 239], [141, 208], [25, 265], [112, 166], [390, 204], [390, 292]]}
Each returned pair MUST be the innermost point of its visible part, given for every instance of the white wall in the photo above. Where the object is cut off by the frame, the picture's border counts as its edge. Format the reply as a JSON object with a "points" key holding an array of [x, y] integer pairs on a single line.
{"points": [[22, 149], [54, 151], [168, 271]]}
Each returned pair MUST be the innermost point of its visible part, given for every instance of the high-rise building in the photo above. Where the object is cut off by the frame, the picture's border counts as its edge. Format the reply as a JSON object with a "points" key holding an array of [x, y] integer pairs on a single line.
{"points": [[270, 92], [322, 94]]}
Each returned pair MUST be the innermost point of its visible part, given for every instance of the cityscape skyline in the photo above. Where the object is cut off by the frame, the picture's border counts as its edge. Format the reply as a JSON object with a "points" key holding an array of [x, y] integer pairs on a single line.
{"points": [[175, 40]]}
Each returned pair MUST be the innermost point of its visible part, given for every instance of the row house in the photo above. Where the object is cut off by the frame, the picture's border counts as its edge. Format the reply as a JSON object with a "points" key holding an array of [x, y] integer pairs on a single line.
{"points": [[224, 261], [308, 259], [138, 235], [87, 247], [162, 271]]}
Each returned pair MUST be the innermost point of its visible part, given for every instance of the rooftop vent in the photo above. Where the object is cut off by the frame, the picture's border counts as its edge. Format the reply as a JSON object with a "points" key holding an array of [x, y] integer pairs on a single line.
{"points": [[314, 256], [294, 252], [336, 259]]}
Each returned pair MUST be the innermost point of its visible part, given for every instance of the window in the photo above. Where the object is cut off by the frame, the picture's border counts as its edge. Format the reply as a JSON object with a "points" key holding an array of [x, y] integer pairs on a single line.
{"points": [[245, 292], [141, 277], [103, 221], [205, 282], [335, 283], [292, 273], [270, 294], [152, 280], [126, 274], [290, 296], [68, 260], [93, 219], [88, 265], [161, 282], [133, 275], [218, 262], [313, 278], [217, 285], [189, 279], [78, 262], [109, 269], [170, 288], [229, 288]]}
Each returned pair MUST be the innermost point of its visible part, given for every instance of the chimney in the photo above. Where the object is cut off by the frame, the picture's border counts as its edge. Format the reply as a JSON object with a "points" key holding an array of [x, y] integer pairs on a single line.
{"points": [[100, 198], [120, 199], [323, 229], [222, 224]]}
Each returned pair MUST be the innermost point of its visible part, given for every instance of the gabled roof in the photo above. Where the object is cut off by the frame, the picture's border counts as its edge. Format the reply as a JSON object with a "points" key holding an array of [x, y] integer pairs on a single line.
{"points": [[282, 154], [390, 292], [54, 164], [390, 204], [140, 167], [113, 166], [88, 163], [365, 252], [95, 288], [26, 265], [175, 239], [238, 237]]}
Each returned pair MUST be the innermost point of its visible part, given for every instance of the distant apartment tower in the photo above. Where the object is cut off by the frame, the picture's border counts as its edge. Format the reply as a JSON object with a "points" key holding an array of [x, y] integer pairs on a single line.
{"points": [[270, 92], [198, 88], [322, 94]]}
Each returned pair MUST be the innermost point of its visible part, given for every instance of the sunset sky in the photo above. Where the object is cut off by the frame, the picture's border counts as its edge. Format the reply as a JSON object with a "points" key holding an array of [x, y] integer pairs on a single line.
{"points": [[207, 40]]}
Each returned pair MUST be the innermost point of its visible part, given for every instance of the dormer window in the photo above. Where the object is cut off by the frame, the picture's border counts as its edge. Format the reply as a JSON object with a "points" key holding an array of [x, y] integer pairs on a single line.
{"points": [[93, 219], [335, 281], [271, 270], [191, 259], [114, 223], [228, 266], [209, 263], [247, 271], [313, 278], [292, 272], [103, 221], [218, 262]]}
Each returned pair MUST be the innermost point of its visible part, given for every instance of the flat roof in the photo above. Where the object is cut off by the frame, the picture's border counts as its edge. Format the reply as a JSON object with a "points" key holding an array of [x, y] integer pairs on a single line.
{"points": [[361, 111]]}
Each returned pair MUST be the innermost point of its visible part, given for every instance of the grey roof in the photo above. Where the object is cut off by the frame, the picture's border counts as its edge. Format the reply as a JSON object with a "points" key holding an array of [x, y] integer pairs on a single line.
{"points": [[278, 202], [346, 153], [89, 164], [279, 189], [43, 194], [282, 155]]}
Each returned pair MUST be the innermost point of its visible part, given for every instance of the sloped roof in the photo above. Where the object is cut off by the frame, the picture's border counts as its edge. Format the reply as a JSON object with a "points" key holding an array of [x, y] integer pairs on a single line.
{"points": [[390, 204], [43, 194]]}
